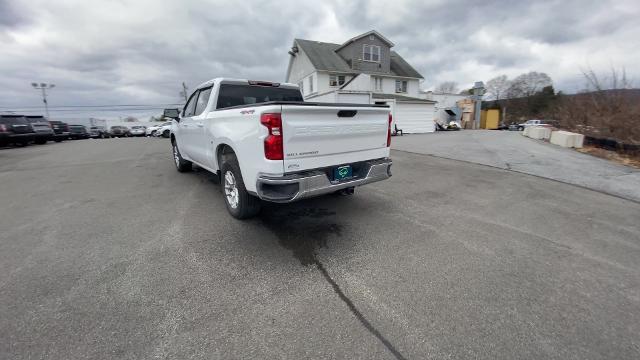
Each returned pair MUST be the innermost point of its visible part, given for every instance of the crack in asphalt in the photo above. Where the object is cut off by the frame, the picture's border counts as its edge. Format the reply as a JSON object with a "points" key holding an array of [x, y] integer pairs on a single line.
{"points": [[299, 231], [354, 310]]}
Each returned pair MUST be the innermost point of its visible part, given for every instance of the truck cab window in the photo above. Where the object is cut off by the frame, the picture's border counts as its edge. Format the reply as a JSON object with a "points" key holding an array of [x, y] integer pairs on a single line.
{"points": [[203, 100], [191, 105]]}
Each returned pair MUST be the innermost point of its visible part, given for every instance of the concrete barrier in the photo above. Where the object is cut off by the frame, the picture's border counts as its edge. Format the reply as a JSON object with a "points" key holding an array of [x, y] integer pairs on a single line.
{"points": [[526, 130], [567, 139], [539, 133]]}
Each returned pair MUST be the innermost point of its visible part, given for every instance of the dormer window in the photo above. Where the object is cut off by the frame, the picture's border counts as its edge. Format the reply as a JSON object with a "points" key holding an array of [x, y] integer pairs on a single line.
{"points": [[371, 53]]}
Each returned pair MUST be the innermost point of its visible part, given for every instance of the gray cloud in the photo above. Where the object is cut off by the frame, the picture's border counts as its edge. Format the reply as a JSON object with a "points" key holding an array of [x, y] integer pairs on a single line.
{"points": [[132, 52]]}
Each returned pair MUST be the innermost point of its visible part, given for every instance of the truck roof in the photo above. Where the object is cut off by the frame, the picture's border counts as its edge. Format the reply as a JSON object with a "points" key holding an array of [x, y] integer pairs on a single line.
{"points": [[241, 81]]}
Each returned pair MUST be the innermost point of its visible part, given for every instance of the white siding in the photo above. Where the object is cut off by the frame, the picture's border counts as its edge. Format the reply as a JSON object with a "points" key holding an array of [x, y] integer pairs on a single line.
{"points": [[389, 86], [414, 117], [354, 98], [328, 97], [301, 67]]}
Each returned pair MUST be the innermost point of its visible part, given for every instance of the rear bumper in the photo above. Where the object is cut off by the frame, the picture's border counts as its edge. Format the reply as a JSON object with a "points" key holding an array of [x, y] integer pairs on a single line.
{"points": [[312, 183]]}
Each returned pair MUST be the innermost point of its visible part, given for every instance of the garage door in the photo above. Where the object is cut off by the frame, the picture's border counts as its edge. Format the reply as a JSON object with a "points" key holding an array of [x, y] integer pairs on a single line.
{"points": [[414, 118]]}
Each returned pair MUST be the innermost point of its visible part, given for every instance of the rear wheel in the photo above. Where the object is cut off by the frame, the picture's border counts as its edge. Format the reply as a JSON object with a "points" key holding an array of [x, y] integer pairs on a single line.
{"points": [[41, 141], [181, 164], [240, 204], [166, 133]]}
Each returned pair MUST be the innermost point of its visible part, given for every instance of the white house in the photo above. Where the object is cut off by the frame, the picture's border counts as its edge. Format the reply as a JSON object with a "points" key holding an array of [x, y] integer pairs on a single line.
{"points": [[362, 70]]}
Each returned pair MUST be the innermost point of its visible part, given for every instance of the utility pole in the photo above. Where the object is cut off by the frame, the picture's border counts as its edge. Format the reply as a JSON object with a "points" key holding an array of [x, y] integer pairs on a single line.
{"points": [[184, 93], [478, 91], [44, 87]]}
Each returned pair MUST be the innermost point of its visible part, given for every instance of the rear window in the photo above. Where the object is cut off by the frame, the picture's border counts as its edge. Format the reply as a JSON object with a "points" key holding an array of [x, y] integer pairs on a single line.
{"points": [[36, 119], [137, 127], [11, 120], [236, 95]]}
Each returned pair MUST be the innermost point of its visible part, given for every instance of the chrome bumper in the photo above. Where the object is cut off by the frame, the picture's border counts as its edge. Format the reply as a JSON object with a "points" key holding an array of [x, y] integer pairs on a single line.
{"points": [[294, 187]]}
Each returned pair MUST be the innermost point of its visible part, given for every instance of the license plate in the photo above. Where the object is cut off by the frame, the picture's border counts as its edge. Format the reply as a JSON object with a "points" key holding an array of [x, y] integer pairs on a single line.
{"points": [[342, 172]]}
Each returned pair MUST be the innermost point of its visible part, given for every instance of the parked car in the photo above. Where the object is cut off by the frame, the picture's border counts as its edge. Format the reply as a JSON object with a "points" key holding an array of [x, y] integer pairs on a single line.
{"points": [[533, 123], [42, 128], [138, 130], [15, 129], [97, 132], [118, 131], [77, 132], [266, 143], [151, 130], [60, 130], [164, 131]]}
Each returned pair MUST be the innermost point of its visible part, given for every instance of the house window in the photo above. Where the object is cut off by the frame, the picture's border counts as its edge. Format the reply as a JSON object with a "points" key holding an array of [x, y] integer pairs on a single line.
{"points": [[371, 53], [377, 83], [336, 80], [401, 86]]}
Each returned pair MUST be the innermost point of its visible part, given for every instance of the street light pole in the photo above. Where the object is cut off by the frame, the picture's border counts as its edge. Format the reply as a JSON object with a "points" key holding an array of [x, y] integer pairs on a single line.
{"points": [[44, 87]]}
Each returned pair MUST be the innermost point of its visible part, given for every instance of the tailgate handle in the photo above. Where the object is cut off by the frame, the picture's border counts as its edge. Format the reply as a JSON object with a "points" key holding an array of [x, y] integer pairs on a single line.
{"points": [[347, 113]]}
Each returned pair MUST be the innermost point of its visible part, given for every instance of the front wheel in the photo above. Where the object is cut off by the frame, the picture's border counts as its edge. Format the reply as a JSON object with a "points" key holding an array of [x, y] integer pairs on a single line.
{"points": [[240, 204], [181, 164], [166, 133]]}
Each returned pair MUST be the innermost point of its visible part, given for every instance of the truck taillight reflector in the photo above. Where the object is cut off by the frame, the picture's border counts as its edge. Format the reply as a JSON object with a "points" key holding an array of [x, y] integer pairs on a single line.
{"points": [[273, 149], [389, 131]]}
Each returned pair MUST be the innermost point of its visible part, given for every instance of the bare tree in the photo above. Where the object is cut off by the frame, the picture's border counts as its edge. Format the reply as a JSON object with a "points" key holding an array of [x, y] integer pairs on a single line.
{"points": [[606, 109], [130, 119], [447, 87], [528, 84], [497, 87]]}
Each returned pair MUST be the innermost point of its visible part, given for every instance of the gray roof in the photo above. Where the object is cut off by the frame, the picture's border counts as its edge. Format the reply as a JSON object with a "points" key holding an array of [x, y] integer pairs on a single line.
{"points": [[323, 56], [401, 98]]}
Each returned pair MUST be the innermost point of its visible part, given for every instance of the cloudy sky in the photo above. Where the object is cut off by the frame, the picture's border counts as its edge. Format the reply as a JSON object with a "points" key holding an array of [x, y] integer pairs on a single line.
{"points": [[138, 52]]}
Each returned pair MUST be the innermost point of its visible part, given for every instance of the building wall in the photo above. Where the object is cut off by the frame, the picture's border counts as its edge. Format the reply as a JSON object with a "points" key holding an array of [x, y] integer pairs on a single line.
{"points": [[389, 86], [301, 67], [354, 53]]}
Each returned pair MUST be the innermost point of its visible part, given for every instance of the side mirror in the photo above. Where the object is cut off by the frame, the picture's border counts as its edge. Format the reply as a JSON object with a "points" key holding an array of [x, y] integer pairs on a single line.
{"points": [[172, 114]]}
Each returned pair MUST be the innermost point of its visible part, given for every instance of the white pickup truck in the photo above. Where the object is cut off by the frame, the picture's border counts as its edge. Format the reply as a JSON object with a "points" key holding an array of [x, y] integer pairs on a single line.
{"points": [[266, 143]]}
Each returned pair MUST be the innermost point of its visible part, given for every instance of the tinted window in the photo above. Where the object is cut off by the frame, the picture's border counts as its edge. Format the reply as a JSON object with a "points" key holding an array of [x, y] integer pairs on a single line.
{"points": [[10, 120], [203, 99], [37, 119], [235, 95], [191, 105]]}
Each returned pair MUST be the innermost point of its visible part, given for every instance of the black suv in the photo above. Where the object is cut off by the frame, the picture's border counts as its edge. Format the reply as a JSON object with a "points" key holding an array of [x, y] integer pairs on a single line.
{"points": [[78, 132], [41, 126], [15, 129], [60, 129]]}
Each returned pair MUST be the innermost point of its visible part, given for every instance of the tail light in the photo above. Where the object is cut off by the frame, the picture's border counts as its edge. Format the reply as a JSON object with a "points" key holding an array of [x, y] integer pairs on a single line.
{"points": [[3, 128], [389, 131], [273, 149]]}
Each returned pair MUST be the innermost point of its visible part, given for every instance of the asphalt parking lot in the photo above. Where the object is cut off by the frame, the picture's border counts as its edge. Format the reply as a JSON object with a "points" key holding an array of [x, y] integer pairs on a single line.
{"points": [[107, 252]]}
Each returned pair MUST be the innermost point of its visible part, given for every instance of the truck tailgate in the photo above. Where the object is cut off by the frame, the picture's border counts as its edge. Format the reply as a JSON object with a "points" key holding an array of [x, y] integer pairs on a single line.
{"points": [[321, 136]]}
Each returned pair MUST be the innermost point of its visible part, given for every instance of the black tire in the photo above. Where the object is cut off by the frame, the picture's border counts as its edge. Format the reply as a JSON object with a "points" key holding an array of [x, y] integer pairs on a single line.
{"points": [[182, 165], [247, 205], [520, 128], [58, 140], [41, 142], [153, 132], [166, 133]]}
